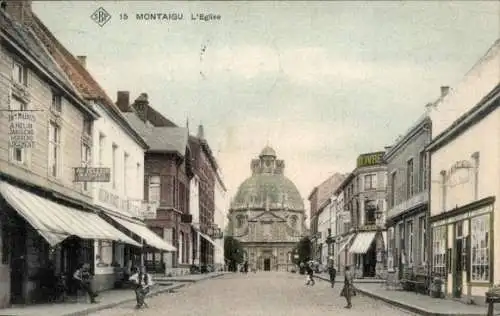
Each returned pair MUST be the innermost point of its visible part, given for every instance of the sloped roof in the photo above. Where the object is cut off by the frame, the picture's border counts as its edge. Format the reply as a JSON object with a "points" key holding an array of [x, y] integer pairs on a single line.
{"points": [[24, 37], [78, 74], [160, 139]]}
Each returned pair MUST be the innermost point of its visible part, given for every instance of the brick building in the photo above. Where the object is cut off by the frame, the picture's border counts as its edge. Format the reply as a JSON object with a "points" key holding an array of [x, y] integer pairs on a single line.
{"points": [[167, 172], [408, 197]]}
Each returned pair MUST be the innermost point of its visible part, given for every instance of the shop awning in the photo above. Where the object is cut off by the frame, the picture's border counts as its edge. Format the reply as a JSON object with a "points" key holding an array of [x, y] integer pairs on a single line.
{"points": [[344, 243], [56, 222], [210, 240], [362, 242], [150, 237]]}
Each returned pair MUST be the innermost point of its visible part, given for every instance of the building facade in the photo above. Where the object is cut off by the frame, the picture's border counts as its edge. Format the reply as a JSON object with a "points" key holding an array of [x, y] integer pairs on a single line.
{"points": [[267, 215], [167, 172], [319, 200], [206, 244], [464, 155], [48, 221], [220, 219], [364, 198], [408, 197]]}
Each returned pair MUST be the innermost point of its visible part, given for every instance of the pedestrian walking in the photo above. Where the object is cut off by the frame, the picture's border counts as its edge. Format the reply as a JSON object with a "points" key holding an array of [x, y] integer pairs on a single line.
{"points": [[348, 290], [82, 276], [245, 267], [333, 274], [143, 282], [310, 274]]}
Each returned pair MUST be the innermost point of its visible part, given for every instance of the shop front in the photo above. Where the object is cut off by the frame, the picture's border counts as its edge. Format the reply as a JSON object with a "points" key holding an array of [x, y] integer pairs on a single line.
{"points": [[44, 241], [462, 249], [368, 250]]}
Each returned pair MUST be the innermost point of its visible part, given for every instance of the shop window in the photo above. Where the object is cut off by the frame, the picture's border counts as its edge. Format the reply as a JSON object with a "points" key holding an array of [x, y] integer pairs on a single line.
{"points": [[480, 248], [5, 245], [439, 237], [410, 242], [422, 228]]}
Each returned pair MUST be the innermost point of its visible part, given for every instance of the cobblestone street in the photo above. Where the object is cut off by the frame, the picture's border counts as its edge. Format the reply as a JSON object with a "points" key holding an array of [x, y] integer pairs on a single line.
{"points": [[264, 293]]}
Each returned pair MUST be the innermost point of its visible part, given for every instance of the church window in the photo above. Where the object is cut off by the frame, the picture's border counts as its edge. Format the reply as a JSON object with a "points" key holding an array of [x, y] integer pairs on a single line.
{"points": [[239, 221], [293, 222]]}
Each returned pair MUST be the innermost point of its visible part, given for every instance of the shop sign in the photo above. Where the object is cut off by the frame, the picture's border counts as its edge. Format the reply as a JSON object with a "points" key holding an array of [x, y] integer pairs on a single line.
{"points": [[464, 216], [22, 129], [90, 174], [370, 159]]}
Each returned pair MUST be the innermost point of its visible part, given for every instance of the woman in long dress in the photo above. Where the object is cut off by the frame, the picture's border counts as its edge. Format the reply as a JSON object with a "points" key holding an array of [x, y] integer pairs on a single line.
{"points": [[348, 289]]}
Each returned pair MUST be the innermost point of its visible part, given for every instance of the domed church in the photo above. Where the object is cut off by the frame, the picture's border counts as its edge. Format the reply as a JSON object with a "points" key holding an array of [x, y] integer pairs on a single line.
{"points": [[267, 214]]}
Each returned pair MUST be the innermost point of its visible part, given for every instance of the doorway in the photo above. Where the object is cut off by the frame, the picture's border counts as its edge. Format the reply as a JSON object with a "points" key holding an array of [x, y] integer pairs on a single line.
{"points": [[267, 264], [370, 261], [16, 233]]}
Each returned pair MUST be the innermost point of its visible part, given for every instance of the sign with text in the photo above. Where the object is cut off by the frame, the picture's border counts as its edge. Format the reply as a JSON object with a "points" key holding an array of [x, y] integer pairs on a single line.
{"points": [[22, 129], [370, 159], [90, 174]]}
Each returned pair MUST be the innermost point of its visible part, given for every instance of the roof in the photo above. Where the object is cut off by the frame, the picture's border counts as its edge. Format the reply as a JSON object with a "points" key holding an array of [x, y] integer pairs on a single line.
{"points": [[417, 126], [81, 78], [33, 48], [267, 151], [160, 139]]}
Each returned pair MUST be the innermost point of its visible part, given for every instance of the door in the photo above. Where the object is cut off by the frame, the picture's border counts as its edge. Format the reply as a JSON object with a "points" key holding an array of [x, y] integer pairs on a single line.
{"points": [[17, 236], [267, 264]]}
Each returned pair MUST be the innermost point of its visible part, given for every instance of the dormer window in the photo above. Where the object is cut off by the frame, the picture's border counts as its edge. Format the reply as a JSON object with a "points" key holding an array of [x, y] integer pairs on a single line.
{"points": [[19, 73], [56, 105]]}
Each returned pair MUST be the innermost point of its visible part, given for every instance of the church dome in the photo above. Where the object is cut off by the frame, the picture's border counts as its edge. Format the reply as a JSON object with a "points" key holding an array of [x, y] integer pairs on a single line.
{"points": [[268, 187]]}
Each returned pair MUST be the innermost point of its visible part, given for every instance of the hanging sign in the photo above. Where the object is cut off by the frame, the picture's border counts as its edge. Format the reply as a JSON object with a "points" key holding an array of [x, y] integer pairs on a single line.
{"points": [[22, 129]]}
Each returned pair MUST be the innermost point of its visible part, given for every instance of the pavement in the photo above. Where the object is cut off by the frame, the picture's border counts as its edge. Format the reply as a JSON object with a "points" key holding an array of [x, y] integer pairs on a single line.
{"points": [[107, 299], [256, 294], [409, 301], [159, 279]]}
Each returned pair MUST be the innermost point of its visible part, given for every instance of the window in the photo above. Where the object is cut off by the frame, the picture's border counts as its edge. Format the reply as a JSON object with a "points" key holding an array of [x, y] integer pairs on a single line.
{"points": [[401, 243], [475, 157], [154, 189], [54, 149], [86, 160], [114, 165], [125, 173], [393, 189], [443, 191], [138, 173], [87, 127], [18, 154], [422, 228], [293, 222], [422, 170], [439, 236], [409, 178], [480, 248], [410, 243], [19, 74], [370, 181], [56, 105], [102, 147]]}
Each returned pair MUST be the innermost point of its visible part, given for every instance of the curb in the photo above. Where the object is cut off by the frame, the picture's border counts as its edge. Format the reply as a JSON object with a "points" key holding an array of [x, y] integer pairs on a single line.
{"points": [[111, 305], [159, 281], [404, 306]]}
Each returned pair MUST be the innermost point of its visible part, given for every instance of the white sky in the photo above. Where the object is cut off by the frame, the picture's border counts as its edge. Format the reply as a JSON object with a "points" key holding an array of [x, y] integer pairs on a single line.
{"points": [[321, 82]]}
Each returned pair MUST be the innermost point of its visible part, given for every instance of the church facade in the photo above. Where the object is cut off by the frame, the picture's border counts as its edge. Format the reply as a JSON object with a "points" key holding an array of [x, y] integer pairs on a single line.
{"points": [[267, 215]]}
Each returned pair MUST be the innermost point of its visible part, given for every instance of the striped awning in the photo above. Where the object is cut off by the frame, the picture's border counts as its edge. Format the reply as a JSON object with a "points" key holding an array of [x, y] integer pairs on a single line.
{"points": [[362, 242], [56, 222], [150, 237], [344, 243]]}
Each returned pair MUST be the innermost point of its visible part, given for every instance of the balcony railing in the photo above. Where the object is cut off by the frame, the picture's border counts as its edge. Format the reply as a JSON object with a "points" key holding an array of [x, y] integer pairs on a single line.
{"points": [[414, 201]]}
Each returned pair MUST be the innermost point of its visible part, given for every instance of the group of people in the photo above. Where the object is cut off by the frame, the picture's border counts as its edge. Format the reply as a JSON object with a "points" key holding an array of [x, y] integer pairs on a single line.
{"points": [[348, 290], [140, 278]]}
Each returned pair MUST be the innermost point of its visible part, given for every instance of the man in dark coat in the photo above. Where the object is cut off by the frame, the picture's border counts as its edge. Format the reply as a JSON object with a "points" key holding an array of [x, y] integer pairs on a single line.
{"points": [[348, 289], [333, 274]]}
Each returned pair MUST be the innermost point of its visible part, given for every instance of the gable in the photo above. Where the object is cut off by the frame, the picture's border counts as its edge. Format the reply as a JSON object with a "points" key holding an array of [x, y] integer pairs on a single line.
{"points": [[267, 216]]}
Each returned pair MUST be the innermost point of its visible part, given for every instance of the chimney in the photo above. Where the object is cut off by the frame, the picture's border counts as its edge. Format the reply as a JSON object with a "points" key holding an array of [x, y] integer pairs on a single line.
{"points": [[444, 91], [19, 10], [123, 101], [82, 60], [201, 133], [141, 105]]}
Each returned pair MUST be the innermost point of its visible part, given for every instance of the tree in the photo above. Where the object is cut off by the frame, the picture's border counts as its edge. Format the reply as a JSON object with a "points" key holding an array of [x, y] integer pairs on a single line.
{"points": [[233, 252], [304, 248]]}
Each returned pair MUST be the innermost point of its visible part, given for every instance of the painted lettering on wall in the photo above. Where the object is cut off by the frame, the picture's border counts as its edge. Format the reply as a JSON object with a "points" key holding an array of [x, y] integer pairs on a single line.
{"points": [[22, 130], [370, 159]]}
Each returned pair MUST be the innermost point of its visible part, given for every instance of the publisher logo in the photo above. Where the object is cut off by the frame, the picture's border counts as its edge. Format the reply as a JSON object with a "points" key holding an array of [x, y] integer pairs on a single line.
{"points": [[101, 16]]}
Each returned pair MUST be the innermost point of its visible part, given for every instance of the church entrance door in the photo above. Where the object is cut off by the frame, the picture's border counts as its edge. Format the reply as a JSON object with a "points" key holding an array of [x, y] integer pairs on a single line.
{"points": [[267, 264]]}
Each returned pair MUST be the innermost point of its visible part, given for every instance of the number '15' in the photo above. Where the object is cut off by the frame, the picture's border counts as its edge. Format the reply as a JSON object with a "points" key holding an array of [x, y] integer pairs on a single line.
{"points": [[123, 16]]}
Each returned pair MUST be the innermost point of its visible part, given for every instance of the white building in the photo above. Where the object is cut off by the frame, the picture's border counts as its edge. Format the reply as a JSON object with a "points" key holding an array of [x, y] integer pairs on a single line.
{"points": [[220, 218], [465, 164], [324, 223]]}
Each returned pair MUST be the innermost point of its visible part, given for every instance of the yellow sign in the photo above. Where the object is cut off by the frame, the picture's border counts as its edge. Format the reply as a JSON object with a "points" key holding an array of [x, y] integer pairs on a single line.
{"points": [[370, 159]]}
